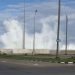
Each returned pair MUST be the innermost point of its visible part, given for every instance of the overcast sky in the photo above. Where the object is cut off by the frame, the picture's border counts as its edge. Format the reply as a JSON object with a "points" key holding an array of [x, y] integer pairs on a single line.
{"points": [[12, 19]]}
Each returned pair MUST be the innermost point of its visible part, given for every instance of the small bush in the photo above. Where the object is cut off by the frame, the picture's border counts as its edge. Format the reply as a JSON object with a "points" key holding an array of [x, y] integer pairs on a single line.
{"points": [[26, 54], [4, 54]]}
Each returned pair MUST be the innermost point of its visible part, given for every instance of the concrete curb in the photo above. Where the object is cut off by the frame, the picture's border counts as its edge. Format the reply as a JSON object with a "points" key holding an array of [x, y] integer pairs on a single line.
{"points": [[67, 62]]}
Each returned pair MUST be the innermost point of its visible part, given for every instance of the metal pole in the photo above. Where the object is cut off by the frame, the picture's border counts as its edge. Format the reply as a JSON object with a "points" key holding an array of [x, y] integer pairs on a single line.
{"points": [[24, 28], [66, 34], [58, 29], [33, 52]]}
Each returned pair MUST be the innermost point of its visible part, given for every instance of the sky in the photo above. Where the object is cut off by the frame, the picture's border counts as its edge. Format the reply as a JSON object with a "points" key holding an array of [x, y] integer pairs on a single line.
{"points": [[12, 21]]}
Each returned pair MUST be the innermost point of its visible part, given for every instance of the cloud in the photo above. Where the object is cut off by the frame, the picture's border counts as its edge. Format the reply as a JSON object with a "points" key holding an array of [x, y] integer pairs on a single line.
{"points": [[13, 38], [46, 25], [10, 38]]}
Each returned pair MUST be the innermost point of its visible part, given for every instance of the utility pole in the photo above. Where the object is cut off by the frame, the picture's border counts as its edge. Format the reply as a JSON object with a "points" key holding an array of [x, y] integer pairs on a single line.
{"points": [[58, 29], [24, 28], [33, 52], [66, 34]]}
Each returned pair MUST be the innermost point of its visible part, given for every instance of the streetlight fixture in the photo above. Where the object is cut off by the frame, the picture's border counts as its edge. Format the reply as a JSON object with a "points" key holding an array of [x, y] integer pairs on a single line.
{"points": [[33, 52], [58, 29], [66, 34], [24, 28]]}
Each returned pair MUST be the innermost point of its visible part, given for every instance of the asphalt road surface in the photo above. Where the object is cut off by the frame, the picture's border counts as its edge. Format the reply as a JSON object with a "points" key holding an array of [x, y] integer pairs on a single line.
{"points": [[14, 69]]}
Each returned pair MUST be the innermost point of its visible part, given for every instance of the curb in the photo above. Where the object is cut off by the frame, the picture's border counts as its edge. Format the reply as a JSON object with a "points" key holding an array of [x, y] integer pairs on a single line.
{"points": [[67, 62]]}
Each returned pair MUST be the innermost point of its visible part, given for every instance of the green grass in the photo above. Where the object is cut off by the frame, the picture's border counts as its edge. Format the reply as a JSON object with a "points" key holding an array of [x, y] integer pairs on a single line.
{"points": [[43, 58]]}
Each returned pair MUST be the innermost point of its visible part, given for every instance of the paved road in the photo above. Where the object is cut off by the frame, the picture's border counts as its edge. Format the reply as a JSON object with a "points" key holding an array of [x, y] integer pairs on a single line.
{"points": [[13, 69]]}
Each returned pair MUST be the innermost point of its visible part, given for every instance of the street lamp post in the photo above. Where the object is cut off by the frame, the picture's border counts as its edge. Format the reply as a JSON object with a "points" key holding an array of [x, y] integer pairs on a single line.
{"points": [[24, 28], [33, 52], [58, 29], [66, 34]]}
